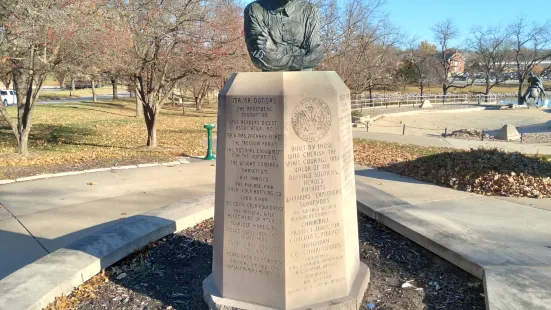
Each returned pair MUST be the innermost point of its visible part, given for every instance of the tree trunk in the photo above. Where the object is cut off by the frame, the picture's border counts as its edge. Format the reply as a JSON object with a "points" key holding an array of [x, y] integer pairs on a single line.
{"points": [[172, 98], [23, 142], [519, 94], [151, 122], [72, 87], [94, 91], [61, 84], [139, 107], [26, 94], [421, 86], [115, 89], [487, 86], [198, 103]]}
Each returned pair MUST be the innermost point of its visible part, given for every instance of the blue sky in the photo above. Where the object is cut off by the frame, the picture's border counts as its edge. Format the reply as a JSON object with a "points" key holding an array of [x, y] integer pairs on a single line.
{"points": [[417, 16]]}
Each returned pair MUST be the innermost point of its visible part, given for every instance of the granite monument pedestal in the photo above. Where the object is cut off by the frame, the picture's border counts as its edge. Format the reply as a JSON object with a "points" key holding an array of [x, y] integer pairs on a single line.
{"points": [[286, 229]]}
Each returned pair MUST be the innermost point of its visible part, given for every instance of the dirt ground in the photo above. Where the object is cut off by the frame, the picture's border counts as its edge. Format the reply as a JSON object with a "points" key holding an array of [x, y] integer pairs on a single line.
{"points": [[168, 274]]}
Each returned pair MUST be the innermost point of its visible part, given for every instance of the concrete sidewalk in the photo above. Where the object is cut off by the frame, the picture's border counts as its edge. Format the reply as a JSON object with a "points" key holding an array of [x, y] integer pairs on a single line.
{"points": [[540, 148], [506, 242], [39, 217]]}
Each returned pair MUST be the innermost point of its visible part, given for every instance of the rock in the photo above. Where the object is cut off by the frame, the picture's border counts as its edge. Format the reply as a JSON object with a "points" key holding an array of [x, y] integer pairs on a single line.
{"points": [[508, 133], [121, 276], [408, 284], [426, 104]]}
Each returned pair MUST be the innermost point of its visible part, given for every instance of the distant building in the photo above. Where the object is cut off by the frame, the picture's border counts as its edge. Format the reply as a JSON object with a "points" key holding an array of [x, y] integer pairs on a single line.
{"points": [[456, 61]]}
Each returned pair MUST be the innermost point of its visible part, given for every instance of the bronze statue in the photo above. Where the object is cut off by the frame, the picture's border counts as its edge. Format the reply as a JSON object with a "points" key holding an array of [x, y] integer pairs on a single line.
{"points": [[283, 35], [534, 92]]}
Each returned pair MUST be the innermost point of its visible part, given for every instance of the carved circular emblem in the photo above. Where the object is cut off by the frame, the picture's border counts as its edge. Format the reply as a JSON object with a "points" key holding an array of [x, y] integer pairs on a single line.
{"points": [[311, 119]]}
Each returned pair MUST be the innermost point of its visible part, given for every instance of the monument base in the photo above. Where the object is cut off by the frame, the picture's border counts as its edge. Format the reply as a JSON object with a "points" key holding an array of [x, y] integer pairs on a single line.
{"points": [[352, 301]]}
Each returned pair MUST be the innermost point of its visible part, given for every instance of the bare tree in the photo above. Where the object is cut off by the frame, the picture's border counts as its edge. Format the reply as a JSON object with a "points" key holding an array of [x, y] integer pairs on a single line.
{"points": [[360, 43], [172, 40], [34, 34], [444, 32], [199, 86], [421, 57], [530, 48], [491, 46]]}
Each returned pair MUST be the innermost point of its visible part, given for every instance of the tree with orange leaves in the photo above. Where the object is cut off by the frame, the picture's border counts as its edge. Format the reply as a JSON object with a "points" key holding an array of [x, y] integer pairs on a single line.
{"points": [[33, 37]]}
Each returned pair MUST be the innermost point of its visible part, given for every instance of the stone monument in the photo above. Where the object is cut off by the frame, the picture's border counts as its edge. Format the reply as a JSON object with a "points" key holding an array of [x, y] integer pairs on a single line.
{"points": [[286, 233], [508, 133], [285, 222], [426, 104]]}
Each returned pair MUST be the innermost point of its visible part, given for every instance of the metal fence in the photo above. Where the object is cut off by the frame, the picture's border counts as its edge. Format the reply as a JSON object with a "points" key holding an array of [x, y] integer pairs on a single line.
{"points": [[361, 101]]}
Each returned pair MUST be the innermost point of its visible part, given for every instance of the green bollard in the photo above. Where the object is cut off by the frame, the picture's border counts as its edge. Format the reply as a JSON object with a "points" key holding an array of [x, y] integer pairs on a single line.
{"points": [[210, 154]]}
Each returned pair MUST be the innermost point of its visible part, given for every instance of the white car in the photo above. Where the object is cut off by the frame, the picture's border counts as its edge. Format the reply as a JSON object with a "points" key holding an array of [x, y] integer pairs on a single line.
{"points": [[8, 97]]}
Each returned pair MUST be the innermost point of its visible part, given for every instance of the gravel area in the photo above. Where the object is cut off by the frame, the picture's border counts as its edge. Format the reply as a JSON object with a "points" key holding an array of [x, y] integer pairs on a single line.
{"points": [[168, 274], [541, 137], [372, 112]]}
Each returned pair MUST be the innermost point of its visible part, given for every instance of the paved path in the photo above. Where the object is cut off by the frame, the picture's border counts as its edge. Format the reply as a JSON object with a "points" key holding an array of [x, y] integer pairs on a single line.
{"points": [[41, 216], [507, 242], [540, 148]]}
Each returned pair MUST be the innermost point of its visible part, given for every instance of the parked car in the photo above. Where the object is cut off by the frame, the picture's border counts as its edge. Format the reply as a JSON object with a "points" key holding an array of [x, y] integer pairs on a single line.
{"points": [[8, 97], [82, 84]]}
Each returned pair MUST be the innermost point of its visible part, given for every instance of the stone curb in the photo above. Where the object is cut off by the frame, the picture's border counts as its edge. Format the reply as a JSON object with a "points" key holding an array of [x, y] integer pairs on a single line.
{"points": [[181, 161], [38, 284]]}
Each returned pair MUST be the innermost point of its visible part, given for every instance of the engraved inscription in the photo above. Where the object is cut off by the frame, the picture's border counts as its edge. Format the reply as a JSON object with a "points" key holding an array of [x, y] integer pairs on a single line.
{"points": [[253, 197], [311, 119], [313, 197]]}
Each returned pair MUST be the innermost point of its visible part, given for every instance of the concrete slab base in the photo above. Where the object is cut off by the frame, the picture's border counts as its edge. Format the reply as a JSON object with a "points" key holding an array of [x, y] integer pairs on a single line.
{"points": [[351, 302]]}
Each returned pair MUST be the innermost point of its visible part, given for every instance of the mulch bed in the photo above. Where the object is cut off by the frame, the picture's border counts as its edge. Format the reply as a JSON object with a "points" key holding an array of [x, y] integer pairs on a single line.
{"points": [[168, 274]]}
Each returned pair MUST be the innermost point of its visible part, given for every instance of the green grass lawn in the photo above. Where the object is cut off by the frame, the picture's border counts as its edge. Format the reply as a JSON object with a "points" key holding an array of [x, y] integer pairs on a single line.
{"points": [[67, 136]]}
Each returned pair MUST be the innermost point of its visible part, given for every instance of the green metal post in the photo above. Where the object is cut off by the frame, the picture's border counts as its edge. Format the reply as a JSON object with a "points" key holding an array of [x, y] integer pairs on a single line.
{"points": [[210, 154]]}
